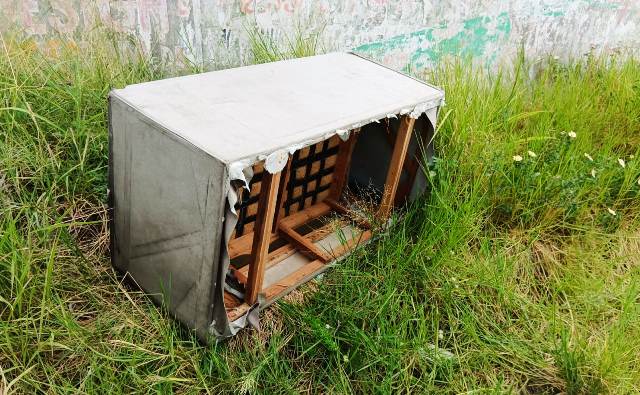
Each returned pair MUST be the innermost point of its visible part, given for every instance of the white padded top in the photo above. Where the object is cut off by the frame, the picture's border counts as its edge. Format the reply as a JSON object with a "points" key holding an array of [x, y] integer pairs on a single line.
{"points": [[242, 113]]}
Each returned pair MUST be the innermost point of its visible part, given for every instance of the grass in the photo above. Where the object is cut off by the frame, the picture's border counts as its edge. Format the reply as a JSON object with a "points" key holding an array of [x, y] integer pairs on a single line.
{"points": [[511, 276], [267, 48]]}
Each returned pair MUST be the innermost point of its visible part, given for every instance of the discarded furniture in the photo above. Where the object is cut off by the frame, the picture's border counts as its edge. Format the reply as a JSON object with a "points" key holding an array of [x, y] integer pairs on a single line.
{"points": [[231, 188]]}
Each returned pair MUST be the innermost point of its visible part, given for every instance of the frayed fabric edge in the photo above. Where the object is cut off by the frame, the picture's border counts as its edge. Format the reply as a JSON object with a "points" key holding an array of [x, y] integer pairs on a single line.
{"points": [[277, 160]]}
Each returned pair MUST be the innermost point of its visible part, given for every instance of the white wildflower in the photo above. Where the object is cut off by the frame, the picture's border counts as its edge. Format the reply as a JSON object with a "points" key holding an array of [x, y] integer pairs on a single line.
{"points": [[517, 158], [593, 173], [572, 134], [345, 358], [612, 212], [621, 162], [440, 334], [432, 173], [532, 154], [588, 157], [327, 326], [631, 156]]}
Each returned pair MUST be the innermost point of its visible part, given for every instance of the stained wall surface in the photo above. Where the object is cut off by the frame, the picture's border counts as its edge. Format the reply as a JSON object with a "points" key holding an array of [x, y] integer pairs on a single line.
{"points": [[400, 33]]}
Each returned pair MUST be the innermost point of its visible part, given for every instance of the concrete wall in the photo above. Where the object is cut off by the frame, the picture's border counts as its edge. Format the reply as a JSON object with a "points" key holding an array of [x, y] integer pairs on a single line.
{"points": [[400, 33]]}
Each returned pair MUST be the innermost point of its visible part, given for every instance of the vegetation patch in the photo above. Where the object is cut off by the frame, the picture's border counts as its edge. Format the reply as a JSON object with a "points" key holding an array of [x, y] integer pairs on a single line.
{"points": [[518, 272]]}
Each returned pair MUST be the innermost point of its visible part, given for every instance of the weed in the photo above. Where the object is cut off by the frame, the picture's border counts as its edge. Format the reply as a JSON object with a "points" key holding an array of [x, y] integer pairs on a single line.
{"points": [[467, 293]]}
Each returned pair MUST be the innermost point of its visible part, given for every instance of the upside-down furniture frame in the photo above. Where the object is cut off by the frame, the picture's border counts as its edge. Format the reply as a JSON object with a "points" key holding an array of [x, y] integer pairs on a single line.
{"points": [[231, 188]]}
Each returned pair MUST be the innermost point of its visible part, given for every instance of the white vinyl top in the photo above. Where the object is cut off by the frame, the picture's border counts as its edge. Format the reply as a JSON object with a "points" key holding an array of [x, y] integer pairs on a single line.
{"points": [[242, 113]]}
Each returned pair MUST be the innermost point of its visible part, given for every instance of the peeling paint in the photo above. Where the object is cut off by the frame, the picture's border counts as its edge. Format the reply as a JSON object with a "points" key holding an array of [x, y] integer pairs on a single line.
{"points": [[403, 34], [470, 38]]}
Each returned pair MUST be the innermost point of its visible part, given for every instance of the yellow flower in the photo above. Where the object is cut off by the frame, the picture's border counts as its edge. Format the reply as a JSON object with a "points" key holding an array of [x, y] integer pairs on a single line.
{"points": [[612, 212], [588, 157], [517, 158], [621, 162], [532, 154]]}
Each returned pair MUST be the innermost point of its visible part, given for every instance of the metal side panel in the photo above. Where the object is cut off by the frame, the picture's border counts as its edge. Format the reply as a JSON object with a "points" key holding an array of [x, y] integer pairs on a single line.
{"points": [[168, 206]]}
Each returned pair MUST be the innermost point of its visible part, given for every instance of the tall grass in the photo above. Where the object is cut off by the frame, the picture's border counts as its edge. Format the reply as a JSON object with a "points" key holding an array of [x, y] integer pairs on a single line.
{"points": [[511, 276], [266, 47]]}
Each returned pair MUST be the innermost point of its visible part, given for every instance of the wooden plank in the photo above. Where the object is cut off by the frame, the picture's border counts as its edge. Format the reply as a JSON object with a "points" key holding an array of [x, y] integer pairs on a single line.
{"points": [[395, 165], [306, 215], [236, 312], [343, 163], [343, 210], [305, 246], [351, 244], [231, 301], [282, 195], [321, 232], [262, 235], [294, 279], [273, 259], [336, 206], [242, 245]]}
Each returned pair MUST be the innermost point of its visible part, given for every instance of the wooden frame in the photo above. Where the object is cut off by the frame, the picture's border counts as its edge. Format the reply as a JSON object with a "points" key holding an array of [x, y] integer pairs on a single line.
{"points": [[262, 235], [398, 156], [271, 225]]}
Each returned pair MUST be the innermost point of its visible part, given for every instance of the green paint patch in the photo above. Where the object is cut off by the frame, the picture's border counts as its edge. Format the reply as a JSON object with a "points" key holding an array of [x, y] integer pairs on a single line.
{"points": [[554, 13], [605, 5], [428, 46]]}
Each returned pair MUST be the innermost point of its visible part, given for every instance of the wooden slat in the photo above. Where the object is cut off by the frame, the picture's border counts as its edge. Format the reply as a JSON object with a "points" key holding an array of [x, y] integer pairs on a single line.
{"points": [[343, 163], [336, 206], [351, 244], [282, 195], [262, 235], [236, 312], [231, 301], [395, 166], [286, 284], [294, 279], [343, 210], [306, 215], [320, 233], [273, 259], [305, 245], [242, 245]]}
